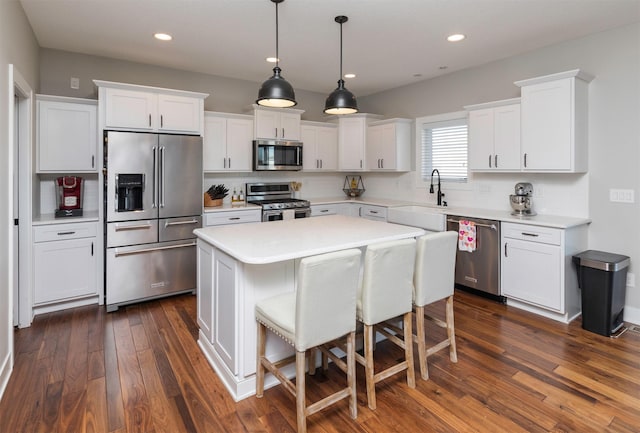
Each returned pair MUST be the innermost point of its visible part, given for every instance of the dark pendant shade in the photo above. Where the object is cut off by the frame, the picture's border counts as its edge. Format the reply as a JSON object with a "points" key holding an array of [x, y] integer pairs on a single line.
{"points": [[276, 92], [341, 101]]}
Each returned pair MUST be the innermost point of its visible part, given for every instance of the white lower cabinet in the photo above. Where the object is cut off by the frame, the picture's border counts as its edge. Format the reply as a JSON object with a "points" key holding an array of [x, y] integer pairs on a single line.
{"points": [[65, 260], [330, 209], [537, 271]]}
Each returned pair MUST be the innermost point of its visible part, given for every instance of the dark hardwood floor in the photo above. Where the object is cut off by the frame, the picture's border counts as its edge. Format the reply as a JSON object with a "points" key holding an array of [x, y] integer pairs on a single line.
{"points": [[140, 370]]}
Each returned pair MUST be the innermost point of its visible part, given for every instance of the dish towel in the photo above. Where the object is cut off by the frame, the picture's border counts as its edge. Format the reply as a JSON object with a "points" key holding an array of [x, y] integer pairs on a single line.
{"points": [[288, 214], [467, 236]]}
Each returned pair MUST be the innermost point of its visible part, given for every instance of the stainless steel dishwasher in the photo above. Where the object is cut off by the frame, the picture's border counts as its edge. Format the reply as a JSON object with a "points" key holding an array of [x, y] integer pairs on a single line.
{"points": [[480, 268]]}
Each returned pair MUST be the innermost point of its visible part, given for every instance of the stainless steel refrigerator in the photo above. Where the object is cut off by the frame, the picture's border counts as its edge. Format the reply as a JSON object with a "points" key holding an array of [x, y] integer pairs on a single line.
{"points": [[153, 202]]}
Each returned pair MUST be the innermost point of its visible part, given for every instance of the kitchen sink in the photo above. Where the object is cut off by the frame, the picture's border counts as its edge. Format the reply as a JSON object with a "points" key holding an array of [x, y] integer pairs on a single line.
{"points": [[426, 217]]}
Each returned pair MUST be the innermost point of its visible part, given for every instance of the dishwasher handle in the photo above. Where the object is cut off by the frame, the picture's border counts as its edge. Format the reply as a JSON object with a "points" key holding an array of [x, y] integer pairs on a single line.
{"points": [[489, 226]]}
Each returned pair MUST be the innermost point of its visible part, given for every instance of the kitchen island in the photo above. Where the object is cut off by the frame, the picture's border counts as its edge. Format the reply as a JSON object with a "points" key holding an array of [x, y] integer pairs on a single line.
{"points": [[239, 265]]}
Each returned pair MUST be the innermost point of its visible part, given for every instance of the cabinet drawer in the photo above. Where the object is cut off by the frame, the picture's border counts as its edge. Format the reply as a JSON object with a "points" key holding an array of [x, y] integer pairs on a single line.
{"points": [[57, 232], [377, 212], [330, 209], [543, 235], [233, 217]]}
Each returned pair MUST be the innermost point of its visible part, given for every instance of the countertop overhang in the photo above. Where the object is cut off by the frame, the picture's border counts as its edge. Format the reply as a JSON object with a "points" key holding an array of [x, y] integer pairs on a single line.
{"points": [[276, 241]]}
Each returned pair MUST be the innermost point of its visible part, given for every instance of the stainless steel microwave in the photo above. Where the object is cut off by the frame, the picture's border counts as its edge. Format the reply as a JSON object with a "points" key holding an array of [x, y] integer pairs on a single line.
{"points": [[277, 155]]}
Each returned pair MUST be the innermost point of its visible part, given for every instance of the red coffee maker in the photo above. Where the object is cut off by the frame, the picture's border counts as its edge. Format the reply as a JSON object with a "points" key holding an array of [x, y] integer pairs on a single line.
{"points": [[69, 196]]}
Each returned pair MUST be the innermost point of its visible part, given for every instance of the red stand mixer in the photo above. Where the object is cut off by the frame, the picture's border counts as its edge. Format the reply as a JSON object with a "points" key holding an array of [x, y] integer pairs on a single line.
{"points": [[69, 196]]}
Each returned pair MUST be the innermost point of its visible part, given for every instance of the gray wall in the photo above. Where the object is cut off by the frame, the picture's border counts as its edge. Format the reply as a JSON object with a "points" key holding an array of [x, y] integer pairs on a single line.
{"points": [[225, 94], [18, 47]]}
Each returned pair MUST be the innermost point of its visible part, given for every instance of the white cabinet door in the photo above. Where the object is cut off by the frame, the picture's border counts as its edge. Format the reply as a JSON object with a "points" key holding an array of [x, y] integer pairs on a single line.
{"points": [[481, 139], [351, 143], [225, 329], [290, 126], [130, 109], [494, 138], [546, 125], [375, 213], [239, 144], [179, 113], [531, 272], [214, 144], [64, 270], [67, 136], [506, 138], [320, 147], [227, 143]]}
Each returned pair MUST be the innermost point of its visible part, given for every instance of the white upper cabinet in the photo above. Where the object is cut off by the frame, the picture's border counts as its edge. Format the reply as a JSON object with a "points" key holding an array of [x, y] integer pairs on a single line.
{"points": [[554, 122], [227, 142], [141, 108], [280, 123], [67, 134], [320, 146], [494, 136], [388, 145], [352, 139]]}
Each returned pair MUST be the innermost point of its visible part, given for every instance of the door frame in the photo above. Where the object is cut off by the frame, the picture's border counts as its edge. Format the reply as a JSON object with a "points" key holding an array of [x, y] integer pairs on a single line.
{"points": [[22, 138]]}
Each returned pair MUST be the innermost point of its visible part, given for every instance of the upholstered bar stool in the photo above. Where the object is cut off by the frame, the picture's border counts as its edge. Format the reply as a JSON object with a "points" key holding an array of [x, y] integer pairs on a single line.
{"points": [[385, 293], [322, 309], [433, 281]]}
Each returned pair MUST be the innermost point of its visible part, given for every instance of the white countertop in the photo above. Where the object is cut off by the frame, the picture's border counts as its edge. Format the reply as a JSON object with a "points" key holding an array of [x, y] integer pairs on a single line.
{"points": [[45, 219], [227, 207], [261, 243], [544, 220]]}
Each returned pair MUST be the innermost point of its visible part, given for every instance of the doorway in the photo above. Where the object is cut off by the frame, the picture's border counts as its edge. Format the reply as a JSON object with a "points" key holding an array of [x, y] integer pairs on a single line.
{"points": [[21, 127]]}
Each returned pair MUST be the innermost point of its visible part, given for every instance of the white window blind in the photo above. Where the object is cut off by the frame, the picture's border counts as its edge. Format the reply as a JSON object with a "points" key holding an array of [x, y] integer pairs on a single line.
{"points": [[444, 146]]}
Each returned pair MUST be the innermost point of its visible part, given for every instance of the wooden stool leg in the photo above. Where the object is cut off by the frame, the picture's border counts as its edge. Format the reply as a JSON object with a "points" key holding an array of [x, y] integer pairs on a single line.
{"points": [[301, 403], [262, 335], [312, 361], [369, 366], [351, 374], [451, 334], [422, 343], [408, 350]]}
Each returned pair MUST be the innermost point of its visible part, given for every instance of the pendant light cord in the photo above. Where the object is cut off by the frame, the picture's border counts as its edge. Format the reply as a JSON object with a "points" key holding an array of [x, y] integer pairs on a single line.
{"points": [[277, 54], [341, 51]]}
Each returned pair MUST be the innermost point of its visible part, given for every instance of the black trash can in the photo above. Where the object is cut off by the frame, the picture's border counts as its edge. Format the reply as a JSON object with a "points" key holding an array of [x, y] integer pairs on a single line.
{"points": [[602, 277]]}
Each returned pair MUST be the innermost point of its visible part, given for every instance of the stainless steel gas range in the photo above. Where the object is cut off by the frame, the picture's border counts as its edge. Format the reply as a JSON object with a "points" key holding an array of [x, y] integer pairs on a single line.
{"points": [[277, 202]]}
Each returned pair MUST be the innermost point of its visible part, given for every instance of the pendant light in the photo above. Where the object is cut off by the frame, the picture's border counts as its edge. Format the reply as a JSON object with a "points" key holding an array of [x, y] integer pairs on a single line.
{"points": [[276, 91], [341, 101]]}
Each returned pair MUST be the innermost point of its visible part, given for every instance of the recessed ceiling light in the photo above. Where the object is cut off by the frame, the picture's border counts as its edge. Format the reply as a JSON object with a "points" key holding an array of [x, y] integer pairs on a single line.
{"points": [[349, 75], [417, 75], [442, 68], [163, 36], [456, 37], [272, 59]]}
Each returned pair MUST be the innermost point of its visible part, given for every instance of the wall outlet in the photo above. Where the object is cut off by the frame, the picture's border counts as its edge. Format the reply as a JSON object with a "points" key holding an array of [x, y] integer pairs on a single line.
{"points": [[75, 83], [631, 280], [621, 195]]}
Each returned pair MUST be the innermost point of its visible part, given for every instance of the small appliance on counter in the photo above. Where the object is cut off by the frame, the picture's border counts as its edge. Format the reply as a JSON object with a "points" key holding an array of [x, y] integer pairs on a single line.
{"points": [[68, 196], [521, 202]]}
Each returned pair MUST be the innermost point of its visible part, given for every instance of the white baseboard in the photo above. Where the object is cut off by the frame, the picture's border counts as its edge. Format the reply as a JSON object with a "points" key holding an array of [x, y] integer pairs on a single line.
{"points": [[5, 372], [632, 315]]}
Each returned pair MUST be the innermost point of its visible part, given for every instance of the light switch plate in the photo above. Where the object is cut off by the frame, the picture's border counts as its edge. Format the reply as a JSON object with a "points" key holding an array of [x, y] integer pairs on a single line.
{"points": [[75, 83], [621, 195]]}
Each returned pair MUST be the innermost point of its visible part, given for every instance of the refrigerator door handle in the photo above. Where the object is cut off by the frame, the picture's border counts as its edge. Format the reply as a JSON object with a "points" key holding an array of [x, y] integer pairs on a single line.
{"points": [[179, 223], [162, 176], [119, 227], [153, 194], [150, 250]]}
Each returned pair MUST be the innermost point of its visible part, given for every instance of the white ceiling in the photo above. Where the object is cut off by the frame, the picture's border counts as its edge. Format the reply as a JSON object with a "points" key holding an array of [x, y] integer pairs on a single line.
{"points": [[386, 42]]}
